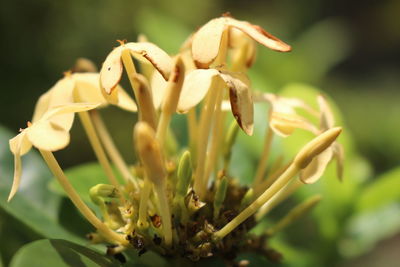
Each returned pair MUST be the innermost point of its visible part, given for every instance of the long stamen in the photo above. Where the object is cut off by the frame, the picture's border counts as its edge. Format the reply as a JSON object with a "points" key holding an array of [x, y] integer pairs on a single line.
{"points": [[78, 202]]}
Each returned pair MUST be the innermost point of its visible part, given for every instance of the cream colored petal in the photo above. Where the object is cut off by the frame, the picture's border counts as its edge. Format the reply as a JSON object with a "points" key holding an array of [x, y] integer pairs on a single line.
{"points": [[19, 146], [206, 42], [42, 106], [285, 124], [158, 89], [151, 53], [125, 101], [226, 105], [62, 94], [111, 70], [88, 89], [66, 109], [259, 34], [146, 69], [327, 118], [316, 167], [48, 136], [84, 65], [241, 100], [195, 87]]}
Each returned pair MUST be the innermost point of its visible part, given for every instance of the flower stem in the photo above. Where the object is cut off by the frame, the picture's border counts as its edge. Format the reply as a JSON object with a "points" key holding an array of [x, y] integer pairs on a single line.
{"points": [[261, 200], [55, 168], [111, 149], [144, 199], [212, 154], [97, 147], [140, 89], [165, 213], [262, 165], [202, 140], [283, 194], [192, 129]]}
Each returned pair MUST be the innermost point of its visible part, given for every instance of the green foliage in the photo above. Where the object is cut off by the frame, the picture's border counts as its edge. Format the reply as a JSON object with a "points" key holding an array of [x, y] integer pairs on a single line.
{"points": [[60, 253]]}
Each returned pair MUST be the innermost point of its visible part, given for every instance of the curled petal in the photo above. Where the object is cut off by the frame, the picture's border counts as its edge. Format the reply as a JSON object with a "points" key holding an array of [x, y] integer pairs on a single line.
{"points": [[195, 87], [158, 88], [48, 136], [327, 118], [285, 124], [19, 146], [206, 42], [42, 105], [112, 68], [316, 167], [259, 34], [66, 109], [241, 100], [87, 86]]}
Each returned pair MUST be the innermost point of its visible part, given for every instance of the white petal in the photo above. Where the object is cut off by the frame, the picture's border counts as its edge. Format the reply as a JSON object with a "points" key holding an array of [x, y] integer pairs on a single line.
{"points": [[316, 167], [48, 136], [206, 42], [195, 87], [327, 118]]}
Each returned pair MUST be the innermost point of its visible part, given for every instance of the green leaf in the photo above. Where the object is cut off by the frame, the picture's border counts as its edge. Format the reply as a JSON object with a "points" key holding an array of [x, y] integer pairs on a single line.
{"points": [[383, 191], [34, 204], [57, 252], [83, 177]]}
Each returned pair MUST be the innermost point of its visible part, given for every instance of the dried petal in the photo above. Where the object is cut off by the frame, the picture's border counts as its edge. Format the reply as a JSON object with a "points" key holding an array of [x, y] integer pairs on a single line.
{"points": [[241, 100], [112, 68], [316, 167], [259, 34], [195, 87]]}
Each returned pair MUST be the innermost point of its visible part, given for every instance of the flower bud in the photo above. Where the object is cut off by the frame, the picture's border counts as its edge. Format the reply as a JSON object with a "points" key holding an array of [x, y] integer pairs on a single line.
{"points": [[316, 146], [149, 152]]}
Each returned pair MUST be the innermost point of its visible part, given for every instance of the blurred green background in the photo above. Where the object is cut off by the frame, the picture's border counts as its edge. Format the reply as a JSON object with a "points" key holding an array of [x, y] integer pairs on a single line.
{"points": [[348, 49]]}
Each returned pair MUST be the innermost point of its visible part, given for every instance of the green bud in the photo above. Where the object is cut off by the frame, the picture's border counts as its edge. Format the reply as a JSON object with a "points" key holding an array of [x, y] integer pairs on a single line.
{"points": [[100, 191], [220, 195]]}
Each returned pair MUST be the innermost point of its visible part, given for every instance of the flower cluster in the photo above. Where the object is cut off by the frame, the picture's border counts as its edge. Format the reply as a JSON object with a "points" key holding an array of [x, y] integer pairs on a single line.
{"points": [[182, 203]]}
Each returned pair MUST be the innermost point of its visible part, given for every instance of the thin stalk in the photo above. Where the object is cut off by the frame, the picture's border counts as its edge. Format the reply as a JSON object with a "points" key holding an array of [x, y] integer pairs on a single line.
{"points": [[262, 165], [111, 149], [270, 180], [283, 194], [294, 214], [192, 129], [202, 140], [142, 93], [261, 200], [97, 147], [144, 199], [212, 159], [55, 168], [165, 214]]}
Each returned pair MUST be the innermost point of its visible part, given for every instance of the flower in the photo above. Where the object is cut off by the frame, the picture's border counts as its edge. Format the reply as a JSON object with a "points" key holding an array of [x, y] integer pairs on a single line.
{"points": [[198, 82], [111, 71], [206, 42], [283, 118], [80, 87], [45, 133]]}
